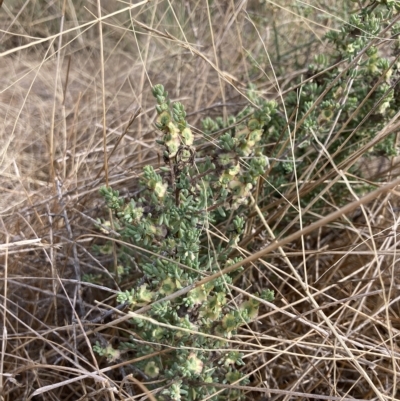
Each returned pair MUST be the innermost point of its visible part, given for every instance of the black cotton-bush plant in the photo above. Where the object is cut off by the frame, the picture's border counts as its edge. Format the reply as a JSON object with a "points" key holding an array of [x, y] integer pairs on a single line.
{"points": [[185, 338]]}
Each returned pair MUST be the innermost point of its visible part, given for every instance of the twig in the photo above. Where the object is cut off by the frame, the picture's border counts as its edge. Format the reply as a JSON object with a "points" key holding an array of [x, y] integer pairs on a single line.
{"points": [[77, 268]]}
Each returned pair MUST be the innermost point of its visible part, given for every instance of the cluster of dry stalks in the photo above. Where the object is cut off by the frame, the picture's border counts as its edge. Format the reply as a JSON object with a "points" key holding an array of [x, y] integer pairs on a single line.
{"points": [[73, 74]]}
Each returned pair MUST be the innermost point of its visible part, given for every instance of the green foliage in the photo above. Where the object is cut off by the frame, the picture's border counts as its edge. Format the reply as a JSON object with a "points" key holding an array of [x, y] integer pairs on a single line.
{"points": [[108, 351], [357, 103], [204, 184], [268, 295], [168, 219]]}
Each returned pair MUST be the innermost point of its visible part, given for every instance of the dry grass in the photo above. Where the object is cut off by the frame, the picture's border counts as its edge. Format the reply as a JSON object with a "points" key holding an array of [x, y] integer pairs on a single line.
{"points": [[68, 94]]}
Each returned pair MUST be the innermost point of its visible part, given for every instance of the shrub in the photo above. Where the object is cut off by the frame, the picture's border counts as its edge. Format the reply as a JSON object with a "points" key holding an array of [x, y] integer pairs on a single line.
{"points": [[168, 219], [339, 106]]}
